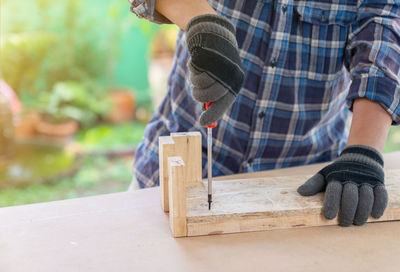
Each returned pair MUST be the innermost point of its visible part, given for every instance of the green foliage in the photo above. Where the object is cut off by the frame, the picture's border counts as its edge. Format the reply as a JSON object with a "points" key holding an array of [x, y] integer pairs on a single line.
{"points": [[21, 57], [65, 54], [81, 102], [98, 175], [45, 42], [34, 162], [115, 137]]}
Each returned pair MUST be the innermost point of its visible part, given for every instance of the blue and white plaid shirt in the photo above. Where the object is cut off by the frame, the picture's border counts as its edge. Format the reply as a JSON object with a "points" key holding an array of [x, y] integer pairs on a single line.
{"points": [[305, 62]]}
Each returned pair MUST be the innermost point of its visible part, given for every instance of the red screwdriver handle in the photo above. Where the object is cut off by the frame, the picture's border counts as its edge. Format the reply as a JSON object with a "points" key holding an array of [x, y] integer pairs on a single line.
{"points": [[205, 107]]}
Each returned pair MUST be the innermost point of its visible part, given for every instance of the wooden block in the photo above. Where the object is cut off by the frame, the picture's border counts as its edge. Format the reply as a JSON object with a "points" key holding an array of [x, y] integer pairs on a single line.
{"points": [[165, 150], [177, 196], [243, 204], [257, 204], [186, 145]]}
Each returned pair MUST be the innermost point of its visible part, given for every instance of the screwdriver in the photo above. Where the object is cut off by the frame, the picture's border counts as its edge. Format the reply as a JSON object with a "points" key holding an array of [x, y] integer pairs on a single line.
{"points": [[209, 154]]}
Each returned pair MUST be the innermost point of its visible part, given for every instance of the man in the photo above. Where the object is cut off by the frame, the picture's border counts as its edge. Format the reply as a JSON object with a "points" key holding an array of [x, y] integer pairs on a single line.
{"points": [[283, 76]]}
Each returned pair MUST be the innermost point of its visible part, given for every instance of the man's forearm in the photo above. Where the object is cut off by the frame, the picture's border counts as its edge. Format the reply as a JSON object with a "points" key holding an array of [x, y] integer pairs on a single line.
{"points": [[370, 125], [180, 12]]}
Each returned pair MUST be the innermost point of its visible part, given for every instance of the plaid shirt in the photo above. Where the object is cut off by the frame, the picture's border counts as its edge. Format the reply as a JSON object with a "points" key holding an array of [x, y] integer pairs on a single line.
{"points": [[305, 62]]}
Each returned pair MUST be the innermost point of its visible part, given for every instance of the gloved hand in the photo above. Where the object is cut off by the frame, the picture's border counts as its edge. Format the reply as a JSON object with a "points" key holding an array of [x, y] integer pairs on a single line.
{"points": [[216, 71], [355, 182]]}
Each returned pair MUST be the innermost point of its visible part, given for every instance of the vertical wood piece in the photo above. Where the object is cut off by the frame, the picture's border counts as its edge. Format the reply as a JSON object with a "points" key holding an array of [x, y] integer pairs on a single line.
{"points": [[165, 150], [187, 146], [177, 196]]}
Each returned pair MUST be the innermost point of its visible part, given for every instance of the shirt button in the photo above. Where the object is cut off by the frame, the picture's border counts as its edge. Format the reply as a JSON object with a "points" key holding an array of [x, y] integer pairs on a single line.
{"points": [[273, 62], [323, 18], [261, 114], [284, 8]]}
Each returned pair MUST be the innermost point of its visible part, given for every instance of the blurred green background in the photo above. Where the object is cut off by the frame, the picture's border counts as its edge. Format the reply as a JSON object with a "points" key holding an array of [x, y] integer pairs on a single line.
{"points": [[44, 42], [87, 76], [79, 81]]}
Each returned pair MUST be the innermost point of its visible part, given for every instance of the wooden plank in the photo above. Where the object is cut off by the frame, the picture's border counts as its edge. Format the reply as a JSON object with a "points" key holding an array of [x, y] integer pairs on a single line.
{"points": [[177, 196], [184, 171], [165, 150], [257, 204], [186, 145], [242, 205]]}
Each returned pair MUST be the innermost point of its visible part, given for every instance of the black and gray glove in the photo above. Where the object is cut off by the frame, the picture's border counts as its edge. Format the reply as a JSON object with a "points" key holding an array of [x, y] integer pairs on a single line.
{"points": [[216, 71], [354, 182]]}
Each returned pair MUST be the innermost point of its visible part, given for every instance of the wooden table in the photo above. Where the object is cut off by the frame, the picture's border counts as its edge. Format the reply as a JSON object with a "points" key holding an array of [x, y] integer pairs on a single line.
{"points": [[129, 232]]}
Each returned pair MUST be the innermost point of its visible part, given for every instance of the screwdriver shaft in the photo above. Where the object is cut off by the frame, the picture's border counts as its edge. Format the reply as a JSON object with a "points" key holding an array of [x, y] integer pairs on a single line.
{"points": [[209, 162]]}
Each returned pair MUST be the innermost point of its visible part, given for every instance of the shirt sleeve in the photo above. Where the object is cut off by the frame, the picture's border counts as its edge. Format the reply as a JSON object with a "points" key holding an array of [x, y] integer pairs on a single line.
{"points": [[146, 9], [373, 55]]}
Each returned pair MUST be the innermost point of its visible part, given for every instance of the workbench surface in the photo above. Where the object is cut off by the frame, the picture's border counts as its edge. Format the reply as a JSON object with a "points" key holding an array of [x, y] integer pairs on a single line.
{"points": [[129, 232]]}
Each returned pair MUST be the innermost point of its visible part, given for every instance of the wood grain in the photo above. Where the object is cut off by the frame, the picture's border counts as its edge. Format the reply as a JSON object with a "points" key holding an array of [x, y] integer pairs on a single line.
{"points": [[240, 204], [165, 150], [255, 204], [186, 145], [177, 196]]}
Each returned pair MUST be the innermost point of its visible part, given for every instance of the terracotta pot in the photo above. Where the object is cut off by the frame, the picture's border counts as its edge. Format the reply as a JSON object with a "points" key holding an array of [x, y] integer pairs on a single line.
{"points": [[124, 105], [64, 129], [25, 124]]}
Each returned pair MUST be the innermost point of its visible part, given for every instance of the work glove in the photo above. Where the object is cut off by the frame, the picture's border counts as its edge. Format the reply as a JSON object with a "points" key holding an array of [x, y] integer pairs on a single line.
{"points": [[354, 182], [215, 69]]}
